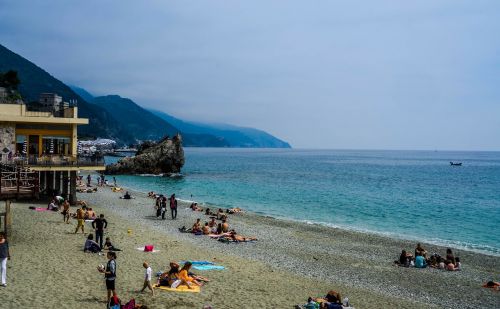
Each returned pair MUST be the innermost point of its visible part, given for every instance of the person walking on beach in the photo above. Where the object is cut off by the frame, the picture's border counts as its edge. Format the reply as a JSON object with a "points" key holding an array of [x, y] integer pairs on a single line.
{"points": [[173, 206], [147, 278], [89, 178], [80, 217], [110, 274], [4, 256], [99, 225], [65, 211], [114, 181], [163, 207]]}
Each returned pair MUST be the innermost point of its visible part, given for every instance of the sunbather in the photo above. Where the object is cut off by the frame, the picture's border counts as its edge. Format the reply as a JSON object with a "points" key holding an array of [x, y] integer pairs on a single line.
{"points": [[196, 226], [108, 245], [170, 276], [185, 278], [206, 229]]}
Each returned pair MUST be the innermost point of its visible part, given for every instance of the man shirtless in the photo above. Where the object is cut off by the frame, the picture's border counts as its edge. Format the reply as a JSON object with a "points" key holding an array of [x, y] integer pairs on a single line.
{"points": [[65, 211], [80, 216]]}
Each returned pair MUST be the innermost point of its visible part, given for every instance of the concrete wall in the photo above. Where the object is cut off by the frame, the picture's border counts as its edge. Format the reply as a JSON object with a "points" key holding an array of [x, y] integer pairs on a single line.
{"points": [[7, 140]]}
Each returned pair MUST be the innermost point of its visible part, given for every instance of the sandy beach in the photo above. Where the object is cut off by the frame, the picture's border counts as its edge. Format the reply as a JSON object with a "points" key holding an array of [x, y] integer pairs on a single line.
{"points": [[288, 263]]}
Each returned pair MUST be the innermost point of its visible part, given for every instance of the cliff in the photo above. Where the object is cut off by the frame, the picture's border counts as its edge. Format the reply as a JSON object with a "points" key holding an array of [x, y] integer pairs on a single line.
{"points": [[164, 157]]}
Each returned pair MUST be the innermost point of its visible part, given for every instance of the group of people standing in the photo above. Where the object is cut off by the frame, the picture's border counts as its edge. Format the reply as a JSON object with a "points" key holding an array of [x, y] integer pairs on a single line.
{"points": [[161, 206]]}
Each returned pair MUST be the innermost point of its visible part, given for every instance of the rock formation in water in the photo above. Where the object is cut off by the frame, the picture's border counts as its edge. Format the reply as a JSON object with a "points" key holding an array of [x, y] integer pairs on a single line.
{"points": [[163, 157]]}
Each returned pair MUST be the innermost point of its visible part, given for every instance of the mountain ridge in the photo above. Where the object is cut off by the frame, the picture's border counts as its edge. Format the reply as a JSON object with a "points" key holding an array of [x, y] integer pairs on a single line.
{"points": [[126, 126]]}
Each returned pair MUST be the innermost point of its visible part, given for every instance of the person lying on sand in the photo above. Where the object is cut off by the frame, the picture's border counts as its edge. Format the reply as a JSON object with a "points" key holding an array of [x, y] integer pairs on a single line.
{"points": [[236, 238], [208, 212], [234, 210], [492, 285]]}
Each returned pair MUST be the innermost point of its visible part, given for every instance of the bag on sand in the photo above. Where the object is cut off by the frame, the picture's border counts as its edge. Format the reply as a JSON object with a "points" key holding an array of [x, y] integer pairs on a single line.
{"points": [[148, 248], [114, 303]]}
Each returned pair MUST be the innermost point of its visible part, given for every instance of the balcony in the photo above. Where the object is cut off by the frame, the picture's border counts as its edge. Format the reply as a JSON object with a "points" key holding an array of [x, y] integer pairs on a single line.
{"points": [[57, 162]]}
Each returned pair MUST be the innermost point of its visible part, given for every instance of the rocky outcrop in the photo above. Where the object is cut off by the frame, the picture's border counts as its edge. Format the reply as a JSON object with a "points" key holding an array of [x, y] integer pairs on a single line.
{"points": [[164, 157]]}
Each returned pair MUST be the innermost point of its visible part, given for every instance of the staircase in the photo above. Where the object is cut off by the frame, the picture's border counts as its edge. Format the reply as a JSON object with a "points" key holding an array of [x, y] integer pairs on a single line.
{"points": [[18, 182]]}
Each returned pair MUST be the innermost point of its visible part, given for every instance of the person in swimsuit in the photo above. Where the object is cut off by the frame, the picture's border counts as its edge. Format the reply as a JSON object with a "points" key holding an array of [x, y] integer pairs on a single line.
{"points": [[80, 217]]}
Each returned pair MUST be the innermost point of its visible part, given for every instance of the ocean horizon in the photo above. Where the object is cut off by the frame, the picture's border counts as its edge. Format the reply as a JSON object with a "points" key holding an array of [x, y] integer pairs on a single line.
{"points": [[414, 195]]}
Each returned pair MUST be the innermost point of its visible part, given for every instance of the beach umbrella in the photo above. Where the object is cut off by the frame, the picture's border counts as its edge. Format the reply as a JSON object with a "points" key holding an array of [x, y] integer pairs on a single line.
{"points": [[25, 146], [51, 148]]}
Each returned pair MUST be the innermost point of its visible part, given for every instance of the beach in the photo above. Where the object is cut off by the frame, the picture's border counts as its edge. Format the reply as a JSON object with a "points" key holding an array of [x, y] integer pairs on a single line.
{"points": [[288, 263]]}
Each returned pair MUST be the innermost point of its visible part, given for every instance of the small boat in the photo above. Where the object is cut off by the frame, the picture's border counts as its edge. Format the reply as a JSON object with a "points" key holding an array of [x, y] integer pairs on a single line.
{"points": [[456, 163]]}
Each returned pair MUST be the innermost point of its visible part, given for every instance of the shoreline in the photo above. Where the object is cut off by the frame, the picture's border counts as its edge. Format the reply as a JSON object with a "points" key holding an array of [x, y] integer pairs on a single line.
{"points": [[354, 259], [290, 262], [390, 235]]}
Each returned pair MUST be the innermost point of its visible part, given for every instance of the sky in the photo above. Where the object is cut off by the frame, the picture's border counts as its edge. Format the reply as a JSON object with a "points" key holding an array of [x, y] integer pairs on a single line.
{"points": [[319, 74]]}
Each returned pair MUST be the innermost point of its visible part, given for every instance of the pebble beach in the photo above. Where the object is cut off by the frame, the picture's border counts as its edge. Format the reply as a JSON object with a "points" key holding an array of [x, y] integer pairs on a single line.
{"points": [[290, 262]]}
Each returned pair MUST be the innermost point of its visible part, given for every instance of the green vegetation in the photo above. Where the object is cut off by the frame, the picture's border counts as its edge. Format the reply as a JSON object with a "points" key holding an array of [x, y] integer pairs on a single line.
{"points": [[119, 118]]}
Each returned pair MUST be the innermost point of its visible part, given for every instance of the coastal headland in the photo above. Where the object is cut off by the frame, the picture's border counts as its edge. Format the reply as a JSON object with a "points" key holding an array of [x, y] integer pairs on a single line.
{"points": [[288, 263]]}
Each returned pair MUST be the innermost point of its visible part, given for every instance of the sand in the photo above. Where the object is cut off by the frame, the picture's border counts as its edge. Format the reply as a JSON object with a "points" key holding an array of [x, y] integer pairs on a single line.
{"points": [[290, 262]]}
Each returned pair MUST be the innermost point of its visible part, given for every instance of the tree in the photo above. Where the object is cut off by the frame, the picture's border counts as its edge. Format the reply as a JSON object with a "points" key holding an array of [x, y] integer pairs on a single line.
{"points": [[9, 80]]}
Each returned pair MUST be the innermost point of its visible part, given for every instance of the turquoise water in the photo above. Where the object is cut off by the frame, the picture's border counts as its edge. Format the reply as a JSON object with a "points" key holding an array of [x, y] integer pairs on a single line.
{"points": [[413, 195]]}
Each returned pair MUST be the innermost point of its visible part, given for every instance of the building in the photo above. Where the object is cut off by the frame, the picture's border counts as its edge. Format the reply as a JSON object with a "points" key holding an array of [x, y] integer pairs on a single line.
{"points": [[42, 143]]}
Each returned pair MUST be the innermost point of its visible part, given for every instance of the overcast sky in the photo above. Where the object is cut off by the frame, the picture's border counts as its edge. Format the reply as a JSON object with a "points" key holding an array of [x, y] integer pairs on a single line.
{"points": [[318, 74]]}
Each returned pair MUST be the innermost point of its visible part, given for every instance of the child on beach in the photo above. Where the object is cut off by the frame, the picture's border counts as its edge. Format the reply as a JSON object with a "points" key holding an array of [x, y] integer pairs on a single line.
{"points": [[108, 245], [147, 278]]}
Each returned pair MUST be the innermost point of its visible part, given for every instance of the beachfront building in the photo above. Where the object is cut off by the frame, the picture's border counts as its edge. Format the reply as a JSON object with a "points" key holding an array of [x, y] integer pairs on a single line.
{"points": [[38, 148]]}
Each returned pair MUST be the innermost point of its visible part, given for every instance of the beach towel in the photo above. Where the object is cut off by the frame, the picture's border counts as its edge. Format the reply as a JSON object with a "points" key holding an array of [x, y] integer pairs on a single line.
{"points": [[197, 262], [143, 250], [180, 288], [39, 209], [208, 267], [129, 305]]}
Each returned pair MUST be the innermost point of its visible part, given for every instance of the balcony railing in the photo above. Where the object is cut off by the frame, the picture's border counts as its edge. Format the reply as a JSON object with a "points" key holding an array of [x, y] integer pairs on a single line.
{"points": [[59, 161]]}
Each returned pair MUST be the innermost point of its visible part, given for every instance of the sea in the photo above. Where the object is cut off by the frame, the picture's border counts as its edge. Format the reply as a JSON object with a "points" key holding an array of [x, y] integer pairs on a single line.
{"points": [[413, 195]]}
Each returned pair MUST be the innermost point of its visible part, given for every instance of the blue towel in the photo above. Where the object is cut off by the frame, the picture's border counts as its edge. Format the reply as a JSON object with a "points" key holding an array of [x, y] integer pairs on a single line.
{"points": [[208, 267]]}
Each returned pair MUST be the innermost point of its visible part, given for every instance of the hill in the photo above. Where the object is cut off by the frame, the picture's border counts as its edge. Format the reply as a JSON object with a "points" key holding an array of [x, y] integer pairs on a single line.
{"points": [[35, 80], [122, 119], [234, 135], [148, 126]]}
